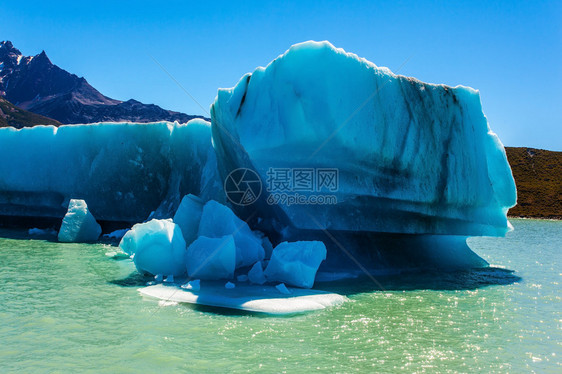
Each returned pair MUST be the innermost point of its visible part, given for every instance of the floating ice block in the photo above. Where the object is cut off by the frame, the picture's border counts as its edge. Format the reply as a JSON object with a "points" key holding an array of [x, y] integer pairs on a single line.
{"points": [[79, 225], [296, 263], [157, 247]]}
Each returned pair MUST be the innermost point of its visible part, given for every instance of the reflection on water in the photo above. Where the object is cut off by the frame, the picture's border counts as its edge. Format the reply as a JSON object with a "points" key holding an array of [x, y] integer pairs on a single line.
{"points": [[430, 280]]}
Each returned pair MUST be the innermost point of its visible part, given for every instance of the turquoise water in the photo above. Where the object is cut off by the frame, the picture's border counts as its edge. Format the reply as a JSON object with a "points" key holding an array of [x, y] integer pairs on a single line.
{"points": [[69, 308]]}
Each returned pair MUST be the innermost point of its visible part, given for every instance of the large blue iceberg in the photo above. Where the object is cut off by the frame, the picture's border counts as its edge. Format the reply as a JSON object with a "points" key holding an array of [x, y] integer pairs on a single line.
{"points": [[411, 157], [321, 145]]}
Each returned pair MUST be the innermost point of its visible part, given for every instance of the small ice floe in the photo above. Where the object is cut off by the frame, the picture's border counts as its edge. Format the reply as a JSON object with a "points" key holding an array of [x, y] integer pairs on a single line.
{"points": [[283, 289], [252, 298], [229, 285], [242, 278], [194, 285]]}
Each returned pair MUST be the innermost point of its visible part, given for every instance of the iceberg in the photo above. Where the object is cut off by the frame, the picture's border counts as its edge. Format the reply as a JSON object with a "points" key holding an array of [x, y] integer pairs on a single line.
{"points": [[355, 166], [124, 171], [218, 220], [188, 215], [408, 157], [78, 224], [211, 258], [296, 263], [157, 247]]}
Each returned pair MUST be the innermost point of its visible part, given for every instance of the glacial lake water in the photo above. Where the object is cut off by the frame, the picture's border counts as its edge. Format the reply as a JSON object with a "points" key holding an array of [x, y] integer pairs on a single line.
{"points": [[70, 308]]}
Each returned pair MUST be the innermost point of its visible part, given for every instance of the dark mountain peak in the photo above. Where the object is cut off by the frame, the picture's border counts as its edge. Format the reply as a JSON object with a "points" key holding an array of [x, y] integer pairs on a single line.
{"points": [[37, 85], [7, 45], [42, 56], [8, 54], [41, 59]]}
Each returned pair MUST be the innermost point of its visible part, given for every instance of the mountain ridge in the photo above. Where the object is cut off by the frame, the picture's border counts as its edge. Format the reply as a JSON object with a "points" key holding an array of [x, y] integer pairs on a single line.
{"points": [[35, 84]]}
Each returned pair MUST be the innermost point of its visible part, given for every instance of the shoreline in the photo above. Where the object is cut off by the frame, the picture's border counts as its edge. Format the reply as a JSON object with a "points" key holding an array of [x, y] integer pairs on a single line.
{"points": [[554, 218]]}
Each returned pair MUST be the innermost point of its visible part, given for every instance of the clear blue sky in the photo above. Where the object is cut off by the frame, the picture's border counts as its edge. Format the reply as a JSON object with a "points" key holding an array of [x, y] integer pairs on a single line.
{"points": [[511, 51]]}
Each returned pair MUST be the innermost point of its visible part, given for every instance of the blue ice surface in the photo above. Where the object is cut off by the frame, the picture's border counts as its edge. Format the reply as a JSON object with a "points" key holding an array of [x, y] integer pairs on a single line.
{"points": [[157, 247], [412, 157], [296, 263], [124, 171], [211, 258], [255, 275], [218, 220], [188, 215], [79, 225]]}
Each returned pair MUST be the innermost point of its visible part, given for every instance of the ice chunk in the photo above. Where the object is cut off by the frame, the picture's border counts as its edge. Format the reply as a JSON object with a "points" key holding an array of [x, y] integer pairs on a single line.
{"points": [[188, 216], [396, 154], [283, 289], [255, 275], [157, 247], [218, 220], [79, 225], [229, 285], [242, 278], [211, 258], [194, 285], [296, 263]]}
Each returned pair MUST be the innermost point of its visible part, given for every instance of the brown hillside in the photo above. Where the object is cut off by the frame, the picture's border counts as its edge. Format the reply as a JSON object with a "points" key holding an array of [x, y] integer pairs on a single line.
{"points": [[538, 176], [11, 115]]}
